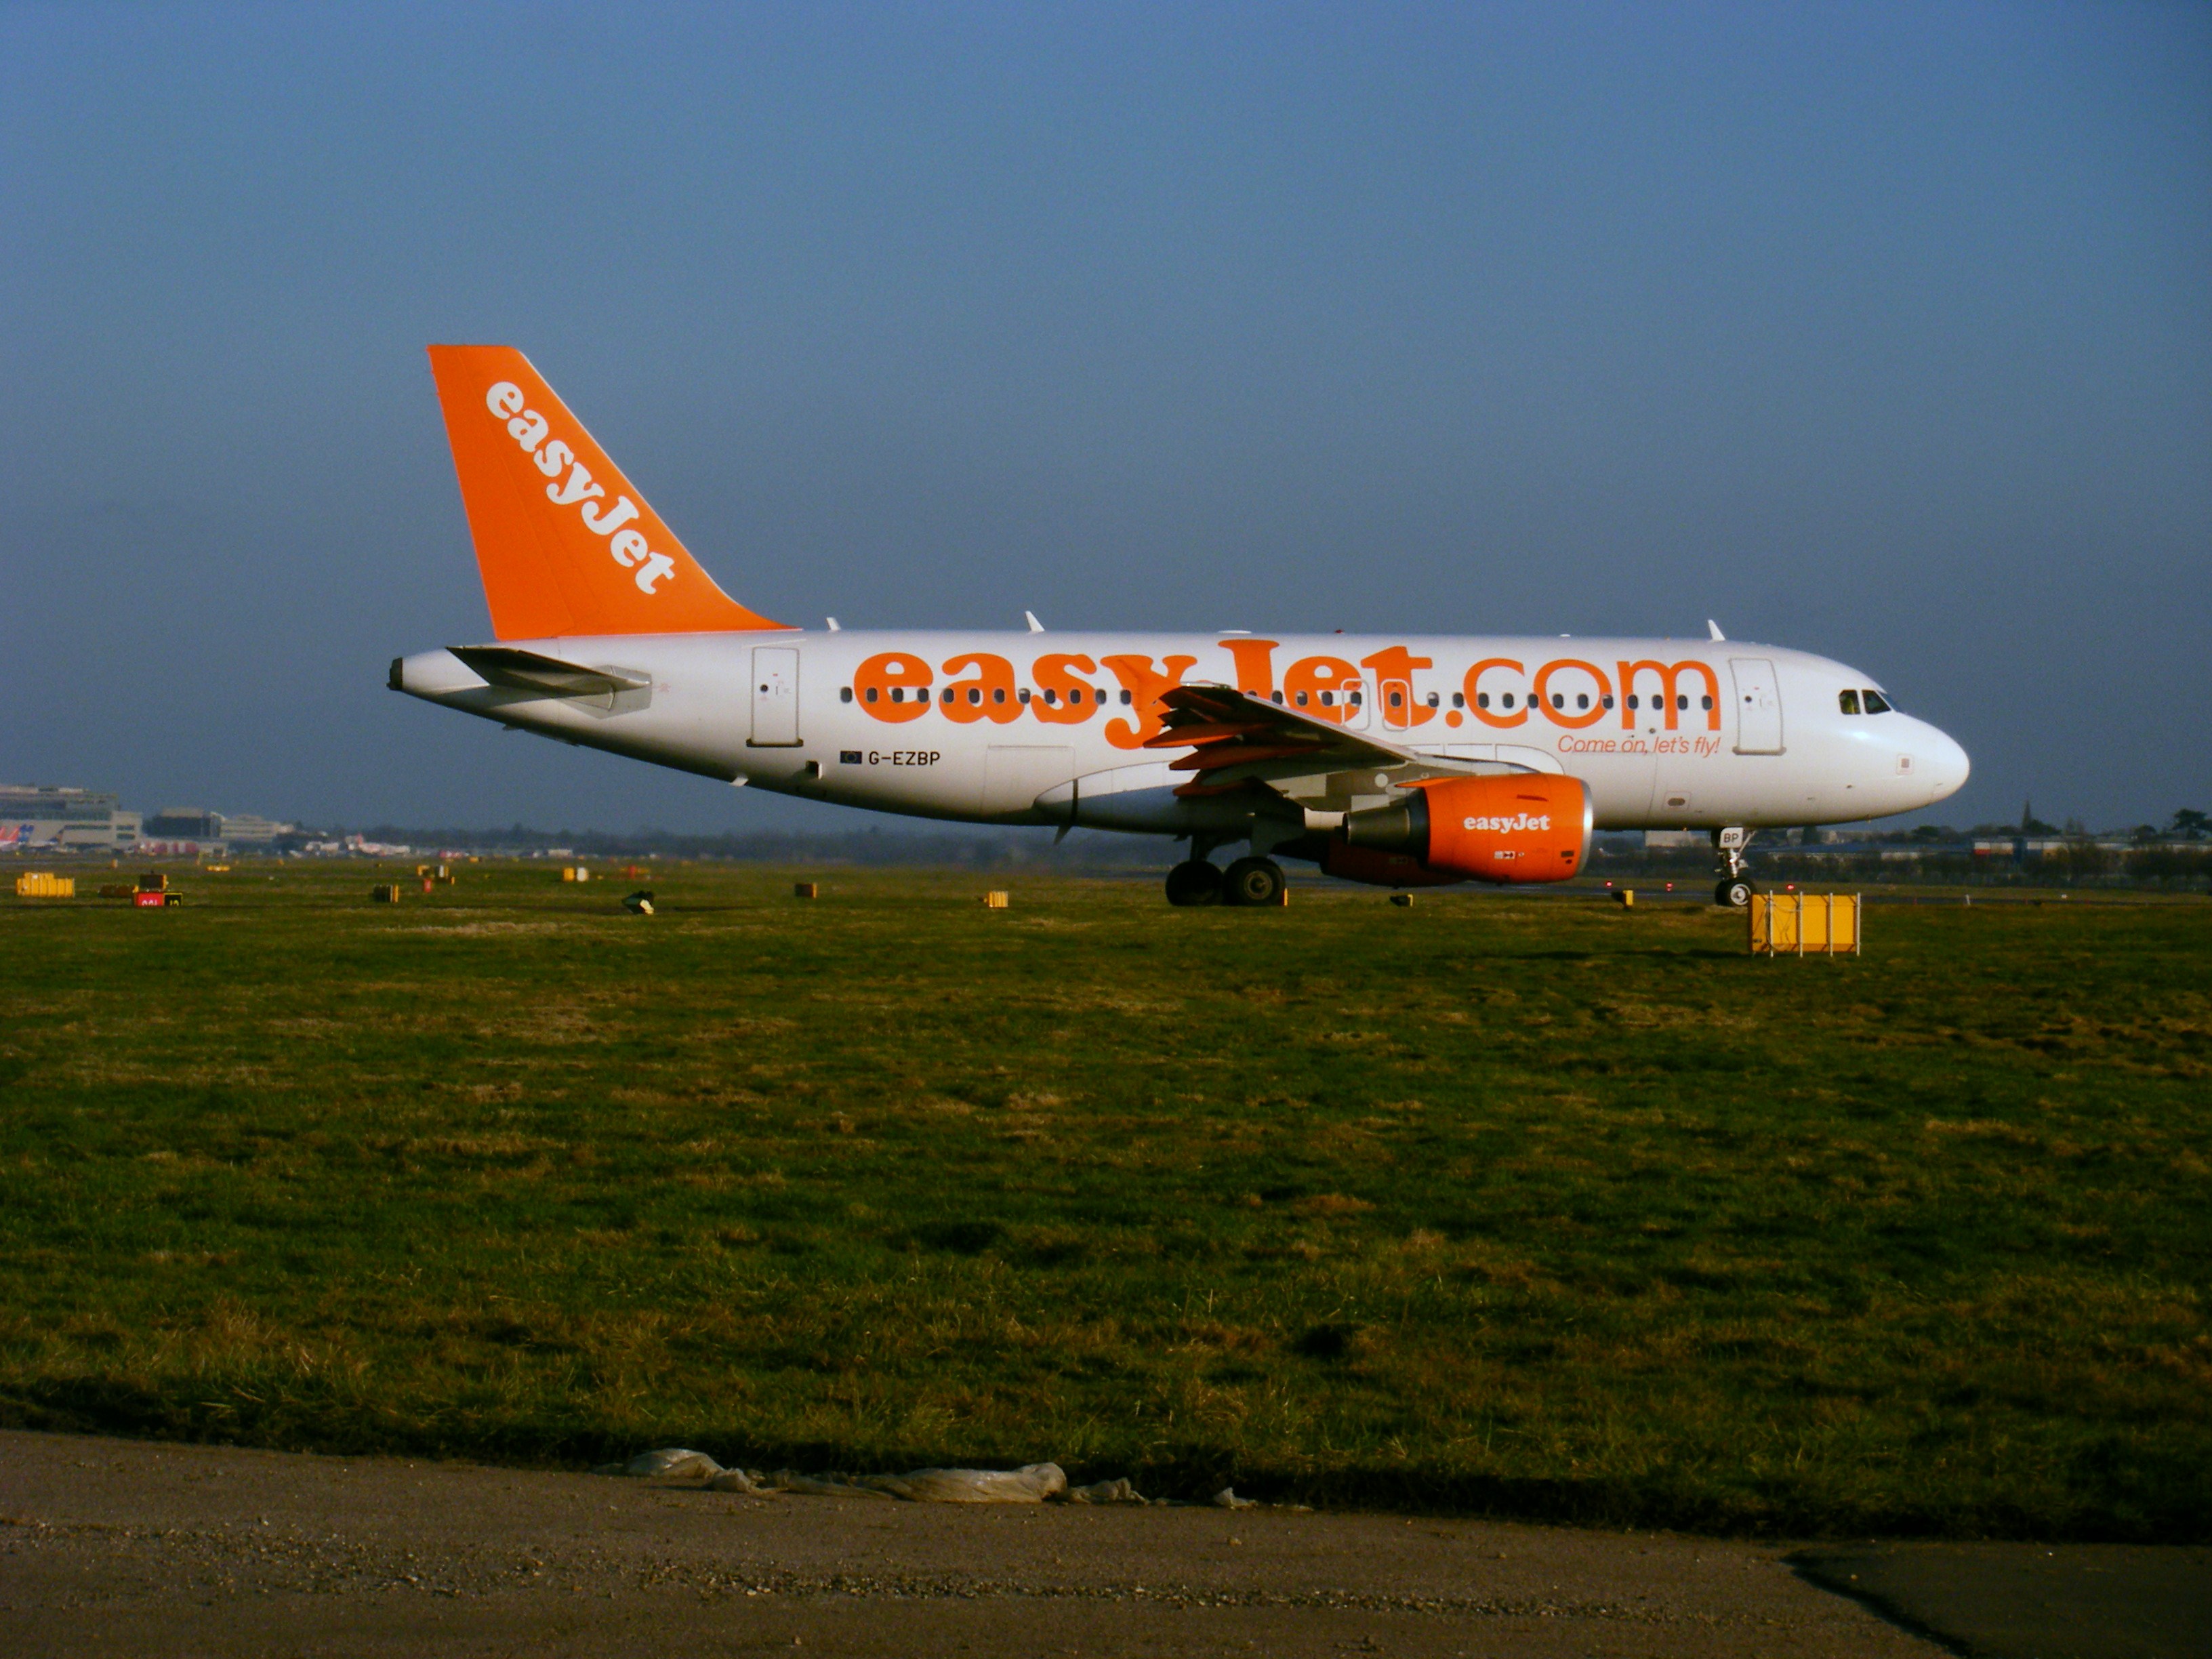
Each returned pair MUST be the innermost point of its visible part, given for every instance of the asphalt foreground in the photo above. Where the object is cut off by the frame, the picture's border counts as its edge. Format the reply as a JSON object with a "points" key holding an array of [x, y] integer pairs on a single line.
{"points": [[119, 1548]]}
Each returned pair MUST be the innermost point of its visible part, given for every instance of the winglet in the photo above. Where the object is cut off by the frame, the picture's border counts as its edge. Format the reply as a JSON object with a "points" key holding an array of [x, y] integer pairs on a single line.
{"points": [[565, 543], [1029, 616], [1713, 628]]}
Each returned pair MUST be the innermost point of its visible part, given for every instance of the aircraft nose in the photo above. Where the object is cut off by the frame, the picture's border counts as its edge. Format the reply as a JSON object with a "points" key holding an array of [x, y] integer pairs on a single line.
{"points": [[1944, 765]]}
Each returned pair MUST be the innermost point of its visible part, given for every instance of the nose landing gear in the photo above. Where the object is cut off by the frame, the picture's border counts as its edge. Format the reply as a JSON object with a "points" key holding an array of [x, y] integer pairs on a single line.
{"points": [[1736, 889]]}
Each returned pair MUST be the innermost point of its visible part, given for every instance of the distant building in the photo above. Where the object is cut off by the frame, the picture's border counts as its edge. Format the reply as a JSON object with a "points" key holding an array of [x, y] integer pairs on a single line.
{"points": [[50, 818], [248, 829], [183, 824]]}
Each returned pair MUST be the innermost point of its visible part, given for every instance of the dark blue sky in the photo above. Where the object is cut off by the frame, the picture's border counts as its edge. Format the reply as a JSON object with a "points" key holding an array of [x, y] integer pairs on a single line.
{"points": [[1882, 331]]}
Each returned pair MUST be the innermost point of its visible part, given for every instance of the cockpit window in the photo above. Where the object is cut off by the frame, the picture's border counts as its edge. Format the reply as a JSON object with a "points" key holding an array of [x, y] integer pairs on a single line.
{"points": [[1848, 702], [1875, 703]]}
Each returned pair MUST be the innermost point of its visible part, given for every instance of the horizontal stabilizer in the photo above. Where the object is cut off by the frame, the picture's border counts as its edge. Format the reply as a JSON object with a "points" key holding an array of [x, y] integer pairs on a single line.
{"points": [[547, 676]]}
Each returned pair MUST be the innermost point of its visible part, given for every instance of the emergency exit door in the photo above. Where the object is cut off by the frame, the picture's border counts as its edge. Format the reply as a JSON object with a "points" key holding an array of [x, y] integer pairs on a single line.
{"points": [[1757, 706], [775, 697]]}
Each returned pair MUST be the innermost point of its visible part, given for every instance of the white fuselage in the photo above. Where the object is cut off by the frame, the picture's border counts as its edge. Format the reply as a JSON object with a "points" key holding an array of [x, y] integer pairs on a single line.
{"points": [[1048, 727]]}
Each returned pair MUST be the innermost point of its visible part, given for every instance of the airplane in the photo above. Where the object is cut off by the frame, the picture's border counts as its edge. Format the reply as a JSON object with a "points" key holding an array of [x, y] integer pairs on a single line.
{"points": [[1394, 759]]}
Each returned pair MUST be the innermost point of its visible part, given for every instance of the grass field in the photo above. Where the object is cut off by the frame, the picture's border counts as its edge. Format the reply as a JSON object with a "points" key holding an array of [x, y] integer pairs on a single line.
{"points": [[1530, 1205]]}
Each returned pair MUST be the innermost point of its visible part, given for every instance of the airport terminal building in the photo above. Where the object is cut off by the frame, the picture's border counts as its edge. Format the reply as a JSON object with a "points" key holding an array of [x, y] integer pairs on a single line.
{"points": [[53, 819]]}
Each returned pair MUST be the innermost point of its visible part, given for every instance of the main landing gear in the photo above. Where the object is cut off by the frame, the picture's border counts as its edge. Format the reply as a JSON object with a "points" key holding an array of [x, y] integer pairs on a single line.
{"points": [[1253, 881], [1246, 882], [1195, 881], [1736, 889]]}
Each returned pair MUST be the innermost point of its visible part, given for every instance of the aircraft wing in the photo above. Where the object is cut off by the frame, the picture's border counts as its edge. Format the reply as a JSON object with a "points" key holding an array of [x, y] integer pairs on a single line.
{"points": [[1235, 737]]}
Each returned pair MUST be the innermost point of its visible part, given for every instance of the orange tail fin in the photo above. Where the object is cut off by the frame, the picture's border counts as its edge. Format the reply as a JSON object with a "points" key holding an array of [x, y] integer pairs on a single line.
{"points": [[566, 545]]}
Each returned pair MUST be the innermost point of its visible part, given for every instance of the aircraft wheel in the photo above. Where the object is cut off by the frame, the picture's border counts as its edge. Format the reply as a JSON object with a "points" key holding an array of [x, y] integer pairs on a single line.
{"points": [[1253, 881], [1195, 881], [1733, 893]]}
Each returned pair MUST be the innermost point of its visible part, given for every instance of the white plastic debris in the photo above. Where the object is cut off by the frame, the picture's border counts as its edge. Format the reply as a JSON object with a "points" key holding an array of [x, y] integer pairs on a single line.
{"points": [[1033, 1483], [1226, 1498], [1103, 1491], [817, 1486], [668, 1463]]}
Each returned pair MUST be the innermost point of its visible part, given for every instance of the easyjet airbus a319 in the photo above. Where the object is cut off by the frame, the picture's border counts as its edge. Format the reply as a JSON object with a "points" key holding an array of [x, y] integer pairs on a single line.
{"points": [[1396, 759]]}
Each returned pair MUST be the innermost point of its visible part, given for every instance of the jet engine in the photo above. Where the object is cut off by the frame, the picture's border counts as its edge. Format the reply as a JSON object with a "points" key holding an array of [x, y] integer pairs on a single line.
{"points": [[1522, 827]]}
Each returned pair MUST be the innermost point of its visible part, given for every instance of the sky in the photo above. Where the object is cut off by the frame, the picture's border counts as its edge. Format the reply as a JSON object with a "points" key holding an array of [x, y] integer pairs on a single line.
{"points": [[1879, 330]]}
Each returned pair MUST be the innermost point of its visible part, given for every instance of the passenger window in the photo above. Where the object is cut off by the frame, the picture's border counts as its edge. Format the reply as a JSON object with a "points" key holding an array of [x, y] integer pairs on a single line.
{"points": [[975, 693], [1876, 704], [1682, 701], [1558, 700], [1848, 702], [871, 694], [1301, 698], [844, 694], [1481, 700], [1434, 700], [1127, 699], [1631, 699], [1459, 700], [1581, 699], [1397, 700], [1022, 695], [1275, 696], [1051, 697], [1704, 703], [948, 694], [998, 694], [898, 694], [1507, 700], [1328, 698], [1605, 703]]}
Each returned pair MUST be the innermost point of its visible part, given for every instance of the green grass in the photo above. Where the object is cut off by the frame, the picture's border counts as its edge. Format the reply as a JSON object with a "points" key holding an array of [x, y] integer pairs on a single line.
{"points": [[1521, 1206]]}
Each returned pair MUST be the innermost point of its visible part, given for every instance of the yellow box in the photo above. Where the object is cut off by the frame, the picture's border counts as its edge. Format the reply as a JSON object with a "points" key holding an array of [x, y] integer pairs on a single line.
{"points": [[806, 890], [39, 885], [994, 901], [1805, 924], [385, 893]]}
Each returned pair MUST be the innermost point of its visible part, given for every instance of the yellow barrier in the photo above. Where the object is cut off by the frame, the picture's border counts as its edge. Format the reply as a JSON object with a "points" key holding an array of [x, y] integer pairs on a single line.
{"points": [[40, 885], [1805, 924], [994, 901]]}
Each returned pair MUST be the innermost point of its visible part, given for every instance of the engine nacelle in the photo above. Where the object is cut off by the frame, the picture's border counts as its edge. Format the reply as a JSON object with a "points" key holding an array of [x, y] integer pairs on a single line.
{"points": [[1522, 827]]}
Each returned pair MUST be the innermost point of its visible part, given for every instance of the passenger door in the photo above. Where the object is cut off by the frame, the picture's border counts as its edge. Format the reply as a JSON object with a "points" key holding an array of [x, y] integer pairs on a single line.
{"points": [[775, 697], [1757, 706]]}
